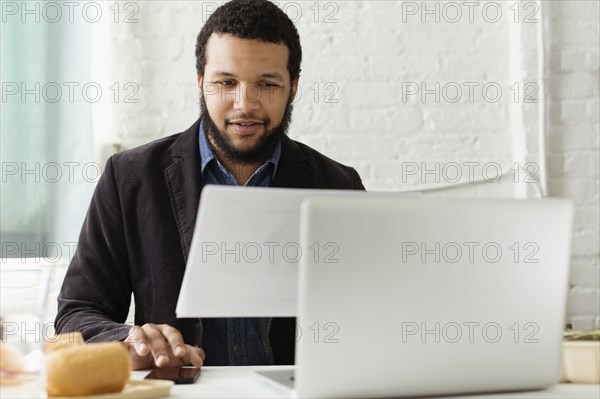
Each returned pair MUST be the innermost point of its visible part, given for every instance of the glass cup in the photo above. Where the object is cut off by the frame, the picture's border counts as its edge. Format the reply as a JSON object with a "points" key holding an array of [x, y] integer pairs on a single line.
{"points": [[25, 285]]}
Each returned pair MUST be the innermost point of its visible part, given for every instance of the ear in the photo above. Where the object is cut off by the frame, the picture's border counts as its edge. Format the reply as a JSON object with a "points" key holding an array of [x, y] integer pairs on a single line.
{"points": [[294, 85], [199, 79]]}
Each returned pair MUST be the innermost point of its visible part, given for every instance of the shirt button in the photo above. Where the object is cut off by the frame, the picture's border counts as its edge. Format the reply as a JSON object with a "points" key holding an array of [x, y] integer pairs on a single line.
{"points": [[236, 348]]}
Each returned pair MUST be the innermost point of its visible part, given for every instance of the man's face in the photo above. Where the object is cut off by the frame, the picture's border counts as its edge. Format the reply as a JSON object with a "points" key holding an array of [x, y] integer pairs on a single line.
{"points": [[246, 97]]}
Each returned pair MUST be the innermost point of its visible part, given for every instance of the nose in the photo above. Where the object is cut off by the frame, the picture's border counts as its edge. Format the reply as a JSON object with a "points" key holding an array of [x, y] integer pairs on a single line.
{"points": [[248, 98]]}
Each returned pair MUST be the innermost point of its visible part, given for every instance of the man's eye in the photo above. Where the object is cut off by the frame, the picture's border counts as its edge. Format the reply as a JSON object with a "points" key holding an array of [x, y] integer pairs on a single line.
{"points": [[226, 83], [268, 84]]}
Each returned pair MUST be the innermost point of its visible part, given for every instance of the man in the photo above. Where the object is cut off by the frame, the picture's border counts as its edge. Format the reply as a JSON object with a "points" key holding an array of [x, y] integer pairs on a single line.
{"points": [[137, 233]]}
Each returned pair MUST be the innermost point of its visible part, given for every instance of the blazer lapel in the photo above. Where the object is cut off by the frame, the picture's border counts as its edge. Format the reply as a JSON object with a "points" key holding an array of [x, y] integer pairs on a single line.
{"points": [[293, 170], [184, 182]]}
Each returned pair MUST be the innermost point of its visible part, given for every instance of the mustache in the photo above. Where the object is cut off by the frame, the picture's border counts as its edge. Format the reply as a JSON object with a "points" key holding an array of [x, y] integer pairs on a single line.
{"points": [[251, 116]]}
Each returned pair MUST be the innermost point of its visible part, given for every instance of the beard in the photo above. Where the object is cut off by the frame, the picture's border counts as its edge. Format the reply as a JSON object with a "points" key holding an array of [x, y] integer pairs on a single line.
{"points": [[261, 151]]}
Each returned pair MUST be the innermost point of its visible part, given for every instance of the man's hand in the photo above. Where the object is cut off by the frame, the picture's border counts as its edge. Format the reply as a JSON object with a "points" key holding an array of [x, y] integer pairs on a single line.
{"points": [[160, 345]]}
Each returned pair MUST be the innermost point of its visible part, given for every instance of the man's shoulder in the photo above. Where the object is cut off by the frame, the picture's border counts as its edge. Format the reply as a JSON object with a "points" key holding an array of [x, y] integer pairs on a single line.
{"points": [[318, 157], [158, 148], [161, 152], [329, 172]]}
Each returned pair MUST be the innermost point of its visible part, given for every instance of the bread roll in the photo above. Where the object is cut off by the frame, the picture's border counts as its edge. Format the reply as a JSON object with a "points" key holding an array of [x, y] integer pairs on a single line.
{"points": [[89, 369], [11, 361], [62, 341], [11, 365]]}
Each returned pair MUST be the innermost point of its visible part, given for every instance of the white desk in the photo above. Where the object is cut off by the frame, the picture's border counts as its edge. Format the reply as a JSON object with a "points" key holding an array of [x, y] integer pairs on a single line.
{"points": [[242, 382]]}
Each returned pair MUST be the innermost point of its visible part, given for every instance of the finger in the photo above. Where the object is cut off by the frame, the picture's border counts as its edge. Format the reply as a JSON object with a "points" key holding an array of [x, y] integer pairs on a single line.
{"points": [[174, 338], [138, 339], [195, 356], [137, 362], [158, 344]]}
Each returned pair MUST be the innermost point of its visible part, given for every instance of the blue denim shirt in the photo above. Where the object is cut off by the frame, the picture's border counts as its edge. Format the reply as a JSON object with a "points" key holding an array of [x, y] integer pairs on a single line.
{"points": [[235, 341]]}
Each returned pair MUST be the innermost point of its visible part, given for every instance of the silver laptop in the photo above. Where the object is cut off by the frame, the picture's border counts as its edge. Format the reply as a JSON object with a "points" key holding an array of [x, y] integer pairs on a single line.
{"points": [[244, 255], [415, 297]]}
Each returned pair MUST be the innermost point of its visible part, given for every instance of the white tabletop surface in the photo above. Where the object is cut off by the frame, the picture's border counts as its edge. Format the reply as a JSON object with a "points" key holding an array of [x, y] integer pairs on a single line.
{"points": [[243, 382]]}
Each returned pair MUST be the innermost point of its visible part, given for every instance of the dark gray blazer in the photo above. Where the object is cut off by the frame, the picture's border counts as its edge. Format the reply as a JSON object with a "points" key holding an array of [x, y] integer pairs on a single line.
{"points": [[138, 229]]}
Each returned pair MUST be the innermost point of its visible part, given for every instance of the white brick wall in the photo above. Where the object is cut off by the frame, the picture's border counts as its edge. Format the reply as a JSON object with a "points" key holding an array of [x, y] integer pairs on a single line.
{"points": [[573, 49], [370, 54]]}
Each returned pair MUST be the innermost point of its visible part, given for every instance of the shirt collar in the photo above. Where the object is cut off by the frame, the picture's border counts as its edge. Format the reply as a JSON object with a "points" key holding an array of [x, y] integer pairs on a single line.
{"points": [[207, 154]]}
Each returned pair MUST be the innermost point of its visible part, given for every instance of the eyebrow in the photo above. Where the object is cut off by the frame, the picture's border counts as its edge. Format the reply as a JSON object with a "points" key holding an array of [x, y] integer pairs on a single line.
{"points": [[268, 75]]}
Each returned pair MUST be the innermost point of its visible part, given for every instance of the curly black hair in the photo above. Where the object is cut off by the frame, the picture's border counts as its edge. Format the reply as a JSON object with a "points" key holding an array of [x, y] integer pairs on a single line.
{"points": [[252, 19]]}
